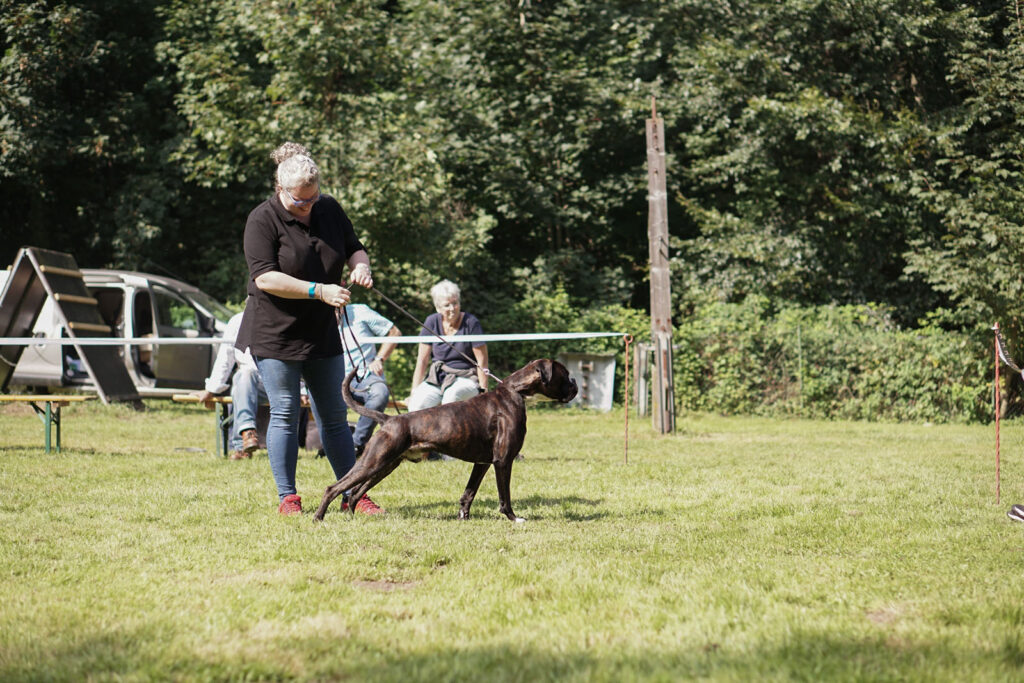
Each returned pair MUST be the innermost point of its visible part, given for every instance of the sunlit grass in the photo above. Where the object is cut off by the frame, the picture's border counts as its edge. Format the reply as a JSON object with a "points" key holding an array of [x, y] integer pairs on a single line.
{"points": [[734, 549]]}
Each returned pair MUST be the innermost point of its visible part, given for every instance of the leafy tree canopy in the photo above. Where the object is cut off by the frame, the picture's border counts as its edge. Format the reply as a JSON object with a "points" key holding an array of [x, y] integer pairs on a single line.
{"points": [[819, 151]]}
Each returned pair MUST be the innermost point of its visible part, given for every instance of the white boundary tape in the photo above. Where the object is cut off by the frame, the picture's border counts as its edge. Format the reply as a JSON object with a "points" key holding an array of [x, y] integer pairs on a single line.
{"points": [[205, 341]]}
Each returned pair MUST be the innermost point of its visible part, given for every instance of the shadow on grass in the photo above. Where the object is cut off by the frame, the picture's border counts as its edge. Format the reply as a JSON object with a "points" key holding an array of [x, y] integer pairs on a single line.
{"points": [[65, 452], [548, 455], [532, 508], [323, 656], [485, 506], [18, 450], [40, 450]]}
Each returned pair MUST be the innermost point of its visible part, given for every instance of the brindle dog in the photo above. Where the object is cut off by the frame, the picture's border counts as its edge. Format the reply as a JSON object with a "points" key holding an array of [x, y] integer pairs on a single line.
{"points": [[485, 430]]}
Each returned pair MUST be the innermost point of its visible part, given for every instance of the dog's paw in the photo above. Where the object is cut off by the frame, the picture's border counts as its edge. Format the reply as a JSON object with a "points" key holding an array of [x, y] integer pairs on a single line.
{"points": [[520, 520]]}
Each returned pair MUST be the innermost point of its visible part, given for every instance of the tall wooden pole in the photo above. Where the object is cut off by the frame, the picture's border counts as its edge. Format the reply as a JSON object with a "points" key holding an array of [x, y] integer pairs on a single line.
{"points": [[664, 413]]}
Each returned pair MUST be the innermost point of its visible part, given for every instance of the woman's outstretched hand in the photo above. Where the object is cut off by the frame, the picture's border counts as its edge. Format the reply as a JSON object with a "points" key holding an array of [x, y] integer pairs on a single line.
{"points": [[334, 295]]}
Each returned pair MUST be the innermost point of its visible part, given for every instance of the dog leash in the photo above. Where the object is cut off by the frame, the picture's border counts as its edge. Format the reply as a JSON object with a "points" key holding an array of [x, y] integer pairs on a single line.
{"points": [[348, 352], [363, 364], [444, 341]]}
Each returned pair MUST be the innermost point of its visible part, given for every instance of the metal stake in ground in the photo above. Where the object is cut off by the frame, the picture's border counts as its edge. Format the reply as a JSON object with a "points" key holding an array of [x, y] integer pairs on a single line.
{"points": [[996, 387]]}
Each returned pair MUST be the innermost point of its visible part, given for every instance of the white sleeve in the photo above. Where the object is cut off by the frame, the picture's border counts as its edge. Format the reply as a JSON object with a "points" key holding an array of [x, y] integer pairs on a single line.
{"points": [[224, 364]]}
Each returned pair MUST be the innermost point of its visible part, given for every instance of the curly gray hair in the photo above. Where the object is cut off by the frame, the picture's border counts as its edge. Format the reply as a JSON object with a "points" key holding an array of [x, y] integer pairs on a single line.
{"points": [[295, 168], [444, 291]]}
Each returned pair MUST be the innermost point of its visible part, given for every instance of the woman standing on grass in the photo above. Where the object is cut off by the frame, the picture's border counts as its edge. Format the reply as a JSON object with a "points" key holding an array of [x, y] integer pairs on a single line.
{"points": [[297, 245]]}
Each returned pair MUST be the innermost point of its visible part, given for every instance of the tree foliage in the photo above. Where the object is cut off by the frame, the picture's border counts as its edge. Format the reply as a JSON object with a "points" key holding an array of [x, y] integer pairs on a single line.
{"points": [[82, 114], [967, 177], [794, 126], [820, 151]]}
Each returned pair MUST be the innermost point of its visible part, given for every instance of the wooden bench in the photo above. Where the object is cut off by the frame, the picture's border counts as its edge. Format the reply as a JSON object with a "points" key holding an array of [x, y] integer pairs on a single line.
{"points": [[49, 415], [225, 420]]}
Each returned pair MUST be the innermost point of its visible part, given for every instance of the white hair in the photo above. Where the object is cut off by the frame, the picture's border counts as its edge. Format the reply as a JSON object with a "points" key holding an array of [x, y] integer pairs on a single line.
{"points": [[444, 291], [295, 168]]}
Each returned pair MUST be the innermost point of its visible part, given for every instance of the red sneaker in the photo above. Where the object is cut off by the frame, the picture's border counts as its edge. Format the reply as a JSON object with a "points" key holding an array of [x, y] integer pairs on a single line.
{"points": [[364, 506], [368, 507], [291, 505]]}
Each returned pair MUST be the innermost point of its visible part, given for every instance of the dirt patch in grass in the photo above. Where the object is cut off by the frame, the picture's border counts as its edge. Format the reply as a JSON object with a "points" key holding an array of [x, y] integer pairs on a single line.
{"points": [[384, 585], [886, 616], [16, 409]]}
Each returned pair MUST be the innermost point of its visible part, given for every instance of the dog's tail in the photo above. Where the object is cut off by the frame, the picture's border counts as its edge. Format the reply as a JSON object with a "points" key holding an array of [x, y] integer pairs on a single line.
{"points": [[346, 391]]}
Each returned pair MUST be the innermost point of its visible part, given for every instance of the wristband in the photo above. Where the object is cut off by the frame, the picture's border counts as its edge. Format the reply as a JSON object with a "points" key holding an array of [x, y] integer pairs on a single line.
{"points": [[312, 290]]}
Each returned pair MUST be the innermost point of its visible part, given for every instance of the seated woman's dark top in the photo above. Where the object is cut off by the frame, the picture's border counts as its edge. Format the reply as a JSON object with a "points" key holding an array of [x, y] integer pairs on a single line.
{"points": [[443, 352]]}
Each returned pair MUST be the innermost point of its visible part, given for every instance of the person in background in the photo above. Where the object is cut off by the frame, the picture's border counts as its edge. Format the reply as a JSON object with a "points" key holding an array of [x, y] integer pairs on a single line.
{"points": [[246, 390], [298, 244], [442, 374], [358, 321], [236, 368]]}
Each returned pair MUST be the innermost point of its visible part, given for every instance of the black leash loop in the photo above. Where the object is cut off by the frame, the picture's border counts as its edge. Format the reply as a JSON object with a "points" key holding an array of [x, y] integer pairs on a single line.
{"points": [[344, 345]]}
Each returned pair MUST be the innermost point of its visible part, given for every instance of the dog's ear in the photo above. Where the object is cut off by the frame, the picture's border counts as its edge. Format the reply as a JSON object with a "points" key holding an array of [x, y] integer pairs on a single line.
{"points": [[526, 379], [544, 370]]}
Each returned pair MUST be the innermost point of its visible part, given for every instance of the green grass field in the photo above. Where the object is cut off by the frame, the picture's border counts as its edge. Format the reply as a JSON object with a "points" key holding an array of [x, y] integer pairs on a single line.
{"points": [[736, 549]]}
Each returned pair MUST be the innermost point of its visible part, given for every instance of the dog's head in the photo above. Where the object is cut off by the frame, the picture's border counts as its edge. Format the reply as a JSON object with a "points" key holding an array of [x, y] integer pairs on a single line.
{"points": [[546, 377]]}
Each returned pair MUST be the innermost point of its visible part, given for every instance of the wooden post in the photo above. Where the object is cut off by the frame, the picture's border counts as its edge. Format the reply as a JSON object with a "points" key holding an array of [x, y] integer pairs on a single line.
{"points": [[641, 377], [661, 294]]}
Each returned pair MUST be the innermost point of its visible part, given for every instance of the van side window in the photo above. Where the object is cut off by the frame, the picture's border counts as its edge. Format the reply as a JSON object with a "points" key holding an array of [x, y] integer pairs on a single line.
{"points": [[111, 306], [173, 312], [143, 317]]}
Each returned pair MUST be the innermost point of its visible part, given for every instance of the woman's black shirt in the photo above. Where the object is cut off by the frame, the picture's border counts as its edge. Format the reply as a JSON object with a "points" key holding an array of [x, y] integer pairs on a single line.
{"points": [[275, 240]]}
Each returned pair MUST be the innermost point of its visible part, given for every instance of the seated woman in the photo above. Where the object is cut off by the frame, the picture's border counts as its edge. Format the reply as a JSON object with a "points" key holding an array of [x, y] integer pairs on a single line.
{"points": [[443, 374]]}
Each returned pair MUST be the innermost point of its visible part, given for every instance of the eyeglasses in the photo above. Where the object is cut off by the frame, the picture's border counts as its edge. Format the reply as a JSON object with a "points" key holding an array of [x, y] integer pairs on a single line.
{"points": [[299, 203]]}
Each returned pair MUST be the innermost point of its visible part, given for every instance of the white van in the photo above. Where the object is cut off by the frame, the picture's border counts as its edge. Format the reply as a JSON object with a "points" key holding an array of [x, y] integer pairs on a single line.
{"points": [[134, 305]]}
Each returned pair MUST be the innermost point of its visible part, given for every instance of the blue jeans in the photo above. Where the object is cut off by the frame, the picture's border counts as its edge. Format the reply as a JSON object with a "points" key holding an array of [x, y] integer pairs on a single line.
{"points": [[371, 392], [246, 393], [323, 376]]}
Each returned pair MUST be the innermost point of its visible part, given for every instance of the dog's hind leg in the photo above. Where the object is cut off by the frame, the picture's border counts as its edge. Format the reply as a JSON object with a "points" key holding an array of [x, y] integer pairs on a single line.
{"points": [[336, 489], [372, 467], [374, 479], [376, 458], [479, 470]]}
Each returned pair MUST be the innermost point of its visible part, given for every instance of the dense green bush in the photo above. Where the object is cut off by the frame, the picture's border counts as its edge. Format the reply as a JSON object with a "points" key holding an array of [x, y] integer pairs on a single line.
{"points": [[841, 362], [849, 362]]}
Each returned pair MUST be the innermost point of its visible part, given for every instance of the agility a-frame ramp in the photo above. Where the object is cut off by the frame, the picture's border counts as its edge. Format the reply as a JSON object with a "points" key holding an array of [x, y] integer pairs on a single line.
{"points": [[38, 275]]}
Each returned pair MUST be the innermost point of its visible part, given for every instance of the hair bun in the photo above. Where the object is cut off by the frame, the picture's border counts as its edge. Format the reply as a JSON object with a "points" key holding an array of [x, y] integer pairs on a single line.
{"points": [[287, 151]]}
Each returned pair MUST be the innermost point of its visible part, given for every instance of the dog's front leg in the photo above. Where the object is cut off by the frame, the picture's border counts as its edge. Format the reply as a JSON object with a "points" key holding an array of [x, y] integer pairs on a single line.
{"points": [[503, 473], [475, 477]]}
